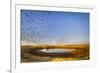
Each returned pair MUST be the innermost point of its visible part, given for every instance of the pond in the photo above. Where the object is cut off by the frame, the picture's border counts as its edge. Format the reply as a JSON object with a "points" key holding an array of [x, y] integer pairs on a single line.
{"points": [[58, 50]]}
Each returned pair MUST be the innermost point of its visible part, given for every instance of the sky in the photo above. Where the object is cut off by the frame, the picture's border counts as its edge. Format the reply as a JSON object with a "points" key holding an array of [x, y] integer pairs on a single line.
{"points": [[52, 27]]}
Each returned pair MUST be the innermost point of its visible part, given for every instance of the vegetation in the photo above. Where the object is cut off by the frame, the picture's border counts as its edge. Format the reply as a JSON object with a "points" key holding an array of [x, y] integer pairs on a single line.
{"points": [[29, 53]]}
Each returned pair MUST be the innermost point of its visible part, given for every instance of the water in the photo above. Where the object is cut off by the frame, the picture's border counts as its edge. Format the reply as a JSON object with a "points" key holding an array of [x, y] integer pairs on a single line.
{"points": [[57, 50]]}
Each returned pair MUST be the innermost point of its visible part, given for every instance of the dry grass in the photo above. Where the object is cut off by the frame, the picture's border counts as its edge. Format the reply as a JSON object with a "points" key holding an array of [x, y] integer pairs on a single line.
{"points": [[81, 53], [56, 46]]}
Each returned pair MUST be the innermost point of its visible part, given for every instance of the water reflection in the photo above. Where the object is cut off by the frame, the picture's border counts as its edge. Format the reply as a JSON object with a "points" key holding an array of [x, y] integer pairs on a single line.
{"points": [[58, 50]]}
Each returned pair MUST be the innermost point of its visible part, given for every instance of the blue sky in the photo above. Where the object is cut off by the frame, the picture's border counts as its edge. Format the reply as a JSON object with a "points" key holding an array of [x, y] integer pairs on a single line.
{"points": [[51, 27]]}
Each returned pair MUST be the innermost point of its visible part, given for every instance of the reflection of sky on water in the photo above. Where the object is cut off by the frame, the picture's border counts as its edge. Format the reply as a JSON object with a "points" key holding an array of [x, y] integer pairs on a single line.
{"points": [[54, 27], [57, 50]]}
